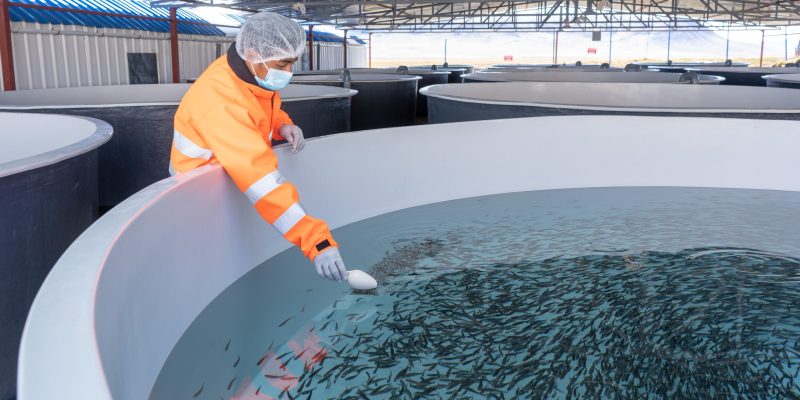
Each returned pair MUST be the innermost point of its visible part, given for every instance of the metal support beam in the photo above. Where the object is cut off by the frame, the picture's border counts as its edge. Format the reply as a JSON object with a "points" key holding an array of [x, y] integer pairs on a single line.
{"points": [[761, 60], [6, 49], [555, 50], [669, 43], [344, 48], [728, 43], [311, 47], [370, 49], [173, 42], [527, 15]]}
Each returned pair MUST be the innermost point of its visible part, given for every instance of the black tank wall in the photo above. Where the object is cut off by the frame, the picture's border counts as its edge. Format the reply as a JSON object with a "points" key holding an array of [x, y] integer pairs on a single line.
{"points": [[380, 104], [42, 212], [444, 110]]}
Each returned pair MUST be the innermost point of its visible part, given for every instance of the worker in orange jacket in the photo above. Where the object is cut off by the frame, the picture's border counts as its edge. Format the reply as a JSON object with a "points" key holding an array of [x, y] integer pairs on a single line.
{"points": [[231, 115]]}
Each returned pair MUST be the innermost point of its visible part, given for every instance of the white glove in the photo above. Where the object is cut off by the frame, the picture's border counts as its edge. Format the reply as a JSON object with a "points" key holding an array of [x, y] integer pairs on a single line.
{"points": [[294, 135], [330, 265]]}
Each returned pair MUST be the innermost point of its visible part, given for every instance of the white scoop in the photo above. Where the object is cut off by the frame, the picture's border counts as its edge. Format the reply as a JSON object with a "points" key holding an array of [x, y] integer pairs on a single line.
{"points": [[360, 280]]}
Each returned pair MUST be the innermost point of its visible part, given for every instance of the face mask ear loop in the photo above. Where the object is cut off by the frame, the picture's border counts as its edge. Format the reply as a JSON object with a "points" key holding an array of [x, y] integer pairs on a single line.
{"points": [[253, 69]]}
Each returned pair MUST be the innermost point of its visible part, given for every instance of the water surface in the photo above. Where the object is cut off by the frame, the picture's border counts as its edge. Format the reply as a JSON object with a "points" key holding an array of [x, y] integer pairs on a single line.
{"points": [[581, 293]]}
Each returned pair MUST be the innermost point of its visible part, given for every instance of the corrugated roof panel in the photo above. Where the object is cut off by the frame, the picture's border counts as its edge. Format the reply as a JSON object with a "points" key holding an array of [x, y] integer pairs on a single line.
{"points": [[328, 37], [126, 7]]}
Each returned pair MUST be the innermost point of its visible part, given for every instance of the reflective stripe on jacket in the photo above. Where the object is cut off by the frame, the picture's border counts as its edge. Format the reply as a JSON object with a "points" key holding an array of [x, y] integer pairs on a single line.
{"points": [[226, 117]]}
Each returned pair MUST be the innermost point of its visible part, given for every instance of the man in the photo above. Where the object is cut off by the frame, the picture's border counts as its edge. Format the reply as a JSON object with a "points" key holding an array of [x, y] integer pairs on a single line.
{"points": [[230, 116]]}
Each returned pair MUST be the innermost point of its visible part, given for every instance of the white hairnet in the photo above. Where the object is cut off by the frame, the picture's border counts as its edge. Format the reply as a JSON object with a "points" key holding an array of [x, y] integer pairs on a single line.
{"points": [[268, 36]]}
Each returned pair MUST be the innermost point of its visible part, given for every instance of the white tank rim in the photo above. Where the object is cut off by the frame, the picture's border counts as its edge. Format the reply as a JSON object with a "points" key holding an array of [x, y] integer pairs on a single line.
{"points": [[93, 134], [452, 93], [108, 96]]}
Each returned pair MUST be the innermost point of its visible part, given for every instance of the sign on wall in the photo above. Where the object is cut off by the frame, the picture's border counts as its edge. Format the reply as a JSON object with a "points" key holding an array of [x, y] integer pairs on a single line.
{"points": [[592, 50], [508, 58]]}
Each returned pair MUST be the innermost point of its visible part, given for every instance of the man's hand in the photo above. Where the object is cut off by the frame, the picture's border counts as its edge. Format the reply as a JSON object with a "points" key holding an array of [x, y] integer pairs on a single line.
{"points": [[330, 265], [294, 135]]}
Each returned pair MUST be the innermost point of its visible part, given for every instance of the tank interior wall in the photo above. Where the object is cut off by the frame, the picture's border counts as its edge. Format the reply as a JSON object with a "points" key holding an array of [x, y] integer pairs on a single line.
{"points": [[442, 110], [41, 212], [146, 299]]}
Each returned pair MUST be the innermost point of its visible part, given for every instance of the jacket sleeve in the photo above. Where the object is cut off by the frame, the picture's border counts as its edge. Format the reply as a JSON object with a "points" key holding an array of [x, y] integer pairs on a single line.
{"points": [[279, 118], [238, 145]]}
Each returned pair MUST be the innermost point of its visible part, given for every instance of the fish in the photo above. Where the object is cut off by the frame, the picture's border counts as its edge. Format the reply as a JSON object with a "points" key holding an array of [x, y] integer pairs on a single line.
{"points": [[199, 391], [563, 327]]}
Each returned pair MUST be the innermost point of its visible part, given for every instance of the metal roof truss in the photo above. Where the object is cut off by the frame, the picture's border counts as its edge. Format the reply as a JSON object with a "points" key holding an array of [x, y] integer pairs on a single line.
{"points": [[524, 16]]}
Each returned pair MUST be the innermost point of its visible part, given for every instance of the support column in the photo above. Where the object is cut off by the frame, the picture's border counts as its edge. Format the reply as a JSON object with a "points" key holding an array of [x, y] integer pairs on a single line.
{"points": [[761, 60], [728, 43], [311, 47], [555, 50], [669, 44], [370, 49], [173, 41], [344, 47], [610, 41], [785, 43], [6, 48]]}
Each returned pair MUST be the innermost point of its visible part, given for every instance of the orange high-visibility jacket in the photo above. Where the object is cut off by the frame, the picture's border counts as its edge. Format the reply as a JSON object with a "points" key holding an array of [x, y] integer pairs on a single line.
{"points": [[226, 117]]}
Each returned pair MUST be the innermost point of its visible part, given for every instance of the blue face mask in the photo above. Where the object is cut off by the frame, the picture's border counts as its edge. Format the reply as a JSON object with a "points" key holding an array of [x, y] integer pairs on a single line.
{"points": [[275, 80]]}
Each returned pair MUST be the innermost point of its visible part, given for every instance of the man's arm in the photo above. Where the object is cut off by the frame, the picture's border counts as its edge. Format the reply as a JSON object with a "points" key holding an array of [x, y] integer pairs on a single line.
{"points": [[242, 151]]}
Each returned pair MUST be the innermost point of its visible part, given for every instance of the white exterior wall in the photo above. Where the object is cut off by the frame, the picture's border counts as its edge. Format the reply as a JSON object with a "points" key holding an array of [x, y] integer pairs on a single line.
{"points": [[197, 52], [330, 56], [51, 56]]}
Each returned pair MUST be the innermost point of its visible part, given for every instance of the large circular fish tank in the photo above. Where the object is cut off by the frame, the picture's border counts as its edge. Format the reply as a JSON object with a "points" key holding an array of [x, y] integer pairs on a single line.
{"points": [[497, 100], [576, 67], [671, 270], [142, 117], [467, 68], [455, 72], [48, 196], [611, 77], [744, 76], [383, 100], [783, 80], [428, 78], [681, 67]]}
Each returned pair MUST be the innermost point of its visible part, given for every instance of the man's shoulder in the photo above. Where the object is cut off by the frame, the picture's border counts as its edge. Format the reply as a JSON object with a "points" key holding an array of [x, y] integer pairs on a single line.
{"points": [[216, 87]]}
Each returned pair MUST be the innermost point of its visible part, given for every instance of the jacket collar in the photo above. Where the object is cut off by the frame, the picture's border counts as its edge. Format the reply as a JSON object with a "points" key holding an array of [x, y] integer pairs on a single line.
{"points": [[243, 73]]}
